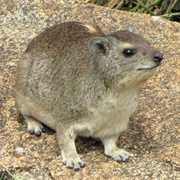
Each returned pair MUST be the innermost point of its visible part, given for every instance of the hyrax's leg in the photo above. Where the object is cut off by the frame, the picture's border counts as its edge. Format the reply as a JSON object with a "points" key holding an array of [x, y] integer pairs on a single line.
{"points": [[34, 126], [66, 139], [111, 149]]}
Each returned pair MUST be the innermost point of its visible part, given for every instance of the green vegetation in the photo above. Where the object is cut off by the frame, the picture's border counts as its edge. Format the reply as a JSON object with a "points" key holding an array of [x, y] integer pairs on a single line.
{"points": [[169, 9], [6, 173]]}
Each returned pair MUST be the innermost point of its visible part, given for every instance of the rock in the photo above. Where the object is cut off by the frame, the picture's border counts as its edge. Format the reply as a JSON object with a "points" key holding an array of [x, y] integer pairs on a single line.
{"points": [[153, 136]]}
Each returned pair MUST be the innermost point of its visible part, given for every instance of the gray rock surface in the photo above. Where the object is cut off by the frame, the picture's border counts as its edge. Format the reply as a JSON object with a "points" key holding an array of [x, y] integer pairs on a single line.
{"points": [[153, 137]]}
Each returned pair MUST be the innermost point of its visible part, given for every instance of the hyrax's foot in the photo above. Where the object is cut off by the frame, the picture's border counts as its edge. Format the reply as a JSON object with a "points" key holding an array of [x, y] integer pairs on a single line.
{"points": [[118, 154], [34, 126], [73, 162], [111, 149]]}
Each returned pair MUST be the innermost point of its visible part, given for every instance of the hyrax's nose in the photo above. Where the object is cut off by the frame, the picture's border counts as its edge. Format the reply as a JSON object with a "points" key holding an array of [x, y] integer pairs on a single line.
{"points": [[158, 56]]}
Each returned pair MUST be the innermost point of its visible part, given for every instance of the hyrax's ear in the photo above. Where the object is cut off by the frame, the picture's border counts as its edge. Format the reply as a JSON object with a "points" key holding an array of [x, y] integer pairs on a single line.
{"points": [[99, 46]]}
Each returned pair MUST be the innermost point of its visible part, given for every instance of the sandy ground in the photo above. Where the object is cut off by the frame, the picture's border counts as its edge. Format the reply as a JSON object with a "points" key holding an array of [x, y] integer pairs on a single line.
{"points": [[153, 136]]}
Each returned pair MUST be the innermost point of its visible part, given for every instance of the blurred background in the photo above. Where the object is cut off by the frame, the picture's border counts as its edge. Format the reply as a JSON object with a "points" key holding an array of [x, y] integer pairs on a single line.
{"points": [[169, 9]]}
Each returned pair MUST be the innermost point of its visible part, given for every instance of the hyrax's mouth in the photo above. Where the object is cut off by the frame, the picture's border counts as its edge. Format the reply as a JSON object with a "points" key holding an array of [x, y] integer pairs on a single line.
{"points": [[147, 67]]}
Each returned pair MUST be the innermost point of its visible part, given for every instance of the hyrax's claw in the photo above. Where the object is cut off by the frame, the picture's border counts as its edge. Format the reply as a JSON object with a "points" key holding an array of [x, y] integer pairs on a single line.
{"points": [[77, 168], [119, 160], [69, 167], [82, 164], [125, 159], [43, 129], [31, 131], [38, 133]]}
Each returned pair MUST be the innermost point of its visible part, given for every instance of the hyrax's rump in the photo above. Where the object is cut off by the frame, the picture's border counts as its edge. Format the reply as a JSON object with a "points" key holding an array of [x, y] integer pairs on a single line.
{"points": [[81, 82]]}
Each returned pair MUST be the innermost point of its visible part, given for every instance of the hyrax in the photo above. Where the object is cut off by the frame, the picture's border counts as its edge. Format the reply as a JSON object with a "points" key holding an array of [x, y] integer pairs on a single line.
{"points": [[80, 82]]}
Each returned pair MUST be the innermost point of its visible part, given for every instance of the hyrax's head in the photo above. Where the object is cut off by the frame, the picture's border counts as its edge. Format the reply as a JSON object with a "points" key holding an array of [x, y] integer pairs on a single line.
{"points": [[124, 58]]}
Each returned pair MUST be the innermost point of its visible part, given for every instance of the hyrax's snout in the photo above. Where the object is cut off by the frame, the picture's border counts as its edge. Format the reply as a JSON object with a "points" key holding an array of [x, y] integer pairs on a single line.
{"points": [[157, 57]]}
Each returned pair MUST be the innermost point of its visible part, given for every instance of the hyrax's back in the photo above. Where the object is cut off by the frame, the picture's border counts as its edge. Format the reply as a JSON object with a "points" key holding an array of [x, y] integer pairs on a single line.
{"points": [[62, 39]]}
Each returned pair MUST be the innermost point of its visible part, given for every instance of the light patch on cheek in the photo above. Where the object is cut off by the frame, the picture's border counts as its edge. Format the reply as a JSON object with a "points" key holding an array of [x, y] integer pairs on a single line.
{"points": [[90, 28]]}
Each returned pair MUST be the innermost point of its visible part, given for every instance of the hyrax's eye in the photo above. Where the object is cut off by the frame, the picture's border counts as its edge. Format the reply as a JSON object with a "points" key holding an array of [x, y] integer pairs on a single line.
{"points": [[128, 52]]}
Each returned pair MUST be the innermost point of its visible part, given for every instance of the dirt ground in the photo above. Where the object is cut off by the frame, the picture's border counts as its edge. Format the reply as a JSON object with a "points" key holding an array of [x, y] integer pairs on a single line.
{"points": [[153, 136]]}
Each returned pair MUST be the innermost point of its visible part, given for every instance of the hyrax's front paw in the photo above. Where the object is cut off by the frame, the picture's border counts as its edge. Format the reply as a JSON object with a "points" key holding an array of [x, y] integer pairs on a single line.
{"points": [[73, 162], [118, 154]]}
